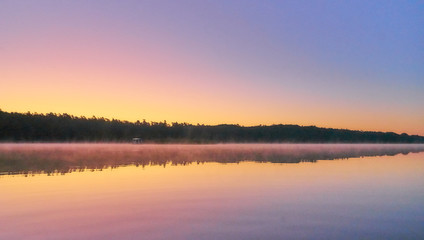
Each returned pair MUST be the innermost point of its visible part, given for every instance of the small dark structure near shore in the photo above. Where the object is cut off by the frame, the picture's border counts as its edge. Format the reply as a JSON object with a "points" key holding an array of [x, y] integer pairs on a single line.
{"points": [[137, 140]]}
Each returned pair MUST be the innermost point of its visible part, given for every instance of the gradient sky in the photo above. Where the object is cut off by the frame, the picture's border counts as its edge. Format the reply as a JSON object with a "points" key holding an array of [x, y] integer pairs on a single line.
{"points": [[341, 64]]}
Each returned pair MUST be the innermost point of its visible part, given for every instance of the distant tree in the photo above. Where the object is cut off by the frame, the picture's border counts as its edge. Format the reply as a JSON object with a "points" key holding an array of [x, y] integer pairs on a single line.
{"points": [[65, 128]]}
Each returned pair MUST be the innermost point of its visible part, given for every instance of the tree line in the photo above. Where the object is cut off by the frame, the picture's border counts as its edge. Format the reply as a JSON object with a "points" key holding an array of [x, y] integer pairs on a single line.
{"points": [[51, 127]]}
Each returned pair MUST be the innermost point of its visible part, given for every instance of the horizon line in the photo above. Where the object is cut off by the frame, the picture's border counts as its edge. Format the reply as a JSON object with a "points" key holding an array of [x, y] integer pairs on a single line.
{"points": [[202, 124]]}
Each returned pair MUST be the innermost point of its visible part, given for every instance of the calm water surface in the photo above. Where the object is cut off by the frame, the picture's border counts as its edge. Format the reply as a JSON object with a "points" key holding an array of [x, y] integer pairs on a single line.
{"points": [[229, 191]]}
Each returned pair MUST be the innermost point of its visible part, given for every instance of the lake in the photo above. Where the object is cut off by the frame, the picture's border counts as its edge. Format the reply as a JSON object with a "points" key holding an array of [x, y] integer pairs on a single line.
{"points": [[217, 191]]}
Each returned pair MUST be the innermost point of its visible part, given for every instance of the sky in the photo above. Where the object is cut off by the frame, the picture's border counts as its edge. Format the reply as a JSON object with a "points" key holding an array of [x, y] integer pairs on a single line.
{"points": [[340, 64]]}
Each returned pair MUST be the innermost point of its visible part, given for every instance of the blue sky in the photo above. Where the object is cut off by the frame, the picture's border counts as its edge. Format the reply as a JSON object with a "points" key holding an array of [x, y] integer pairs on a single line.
{"points": [[344, 64]]}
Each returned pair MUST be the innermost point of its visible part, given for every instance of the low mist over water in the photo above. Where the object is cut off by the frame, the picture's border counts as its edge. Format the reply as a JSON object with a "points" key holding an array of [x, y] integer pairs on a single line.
{"points": [[63, 158]]}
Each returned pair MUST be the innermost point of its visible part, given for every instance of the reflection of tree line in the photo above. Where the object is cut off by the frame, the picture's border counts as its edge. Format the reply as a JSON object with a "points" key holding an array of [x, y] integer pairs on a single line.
{"points": [[33, 159]]}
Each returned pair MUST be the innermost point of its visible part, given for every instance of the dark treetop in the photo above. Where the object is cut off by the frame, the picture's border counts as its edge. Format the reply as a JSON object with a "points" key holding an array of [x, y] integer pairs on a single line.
{"points": [[67, 128]]}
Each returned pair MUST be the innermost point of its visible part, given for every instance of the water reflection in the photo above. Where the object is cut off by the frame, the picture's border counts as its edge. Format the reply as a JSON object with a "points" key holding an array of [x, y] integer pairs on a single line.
{"points": [[65, 158], [360, 198]]}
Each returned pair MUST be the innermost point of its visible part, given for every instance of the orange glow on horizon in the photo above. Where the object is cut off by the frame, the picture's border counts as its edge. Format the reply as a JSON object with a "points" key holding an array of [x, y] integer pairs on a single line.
{"points": [[204, 64]]}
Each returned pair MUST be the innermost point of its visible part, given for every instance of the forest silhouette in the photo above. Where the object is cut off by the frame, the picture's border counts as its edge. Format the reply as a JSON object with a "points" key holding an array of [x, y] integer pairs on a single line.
{"points": [[51, 127]]}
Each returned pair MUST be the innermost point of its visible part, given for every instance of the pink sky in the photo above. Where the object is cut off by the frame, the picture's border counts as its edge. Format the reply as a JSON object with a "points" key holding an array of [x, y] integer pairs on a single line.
{"points": [[214, 63]]}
